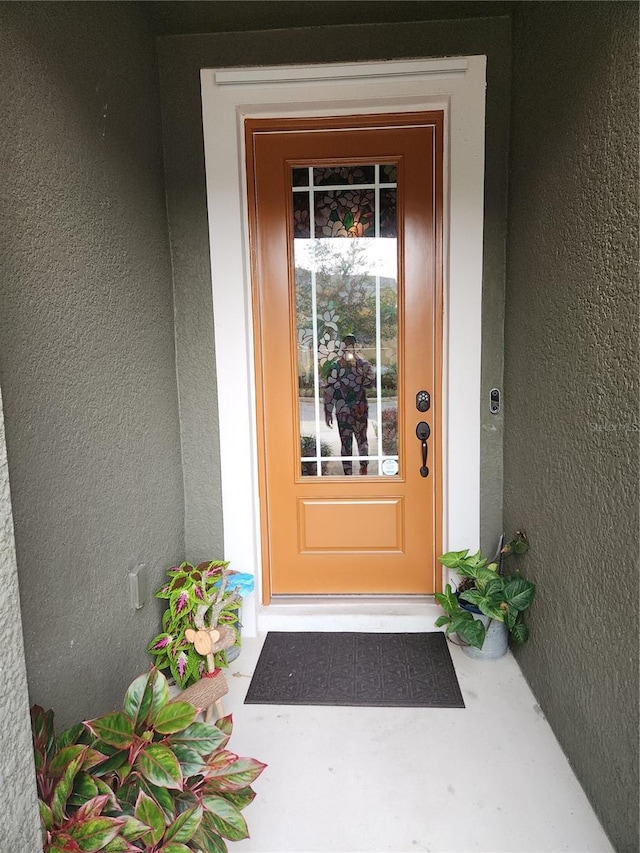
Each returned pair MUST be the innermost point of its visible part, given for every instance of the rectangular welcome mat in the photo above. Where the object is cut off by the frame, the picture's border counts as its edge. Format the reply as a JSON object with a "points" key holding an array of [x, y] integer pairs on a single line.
{"points": [[326, 668]]}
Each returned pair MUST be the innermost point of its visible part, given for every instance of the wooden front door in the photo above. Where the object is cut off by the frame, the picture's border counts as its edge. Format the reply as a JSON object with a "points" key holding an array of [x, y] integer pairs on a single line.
{"points": [[346, 244]]}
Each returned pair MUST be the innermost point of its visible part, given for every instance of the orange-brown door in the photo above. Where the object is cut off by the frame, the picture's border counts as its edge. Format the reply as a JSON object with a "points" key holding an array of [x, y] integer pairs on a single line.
{"points": [[346, 239]]}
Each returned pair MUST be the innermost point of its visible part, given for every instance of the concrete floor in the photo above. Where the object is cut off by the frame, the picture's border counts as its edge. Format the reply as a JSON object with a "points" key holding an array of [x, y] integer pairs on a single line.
{"points": [[491, 777]]}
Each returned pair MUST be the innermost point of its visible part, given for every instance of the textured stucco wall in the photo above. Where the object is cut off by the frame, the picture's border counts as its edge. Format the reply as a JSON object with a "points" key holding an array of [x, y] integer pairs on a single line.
{"points": [[20, 824], [181, 58], [87, 361], [571, 375]]}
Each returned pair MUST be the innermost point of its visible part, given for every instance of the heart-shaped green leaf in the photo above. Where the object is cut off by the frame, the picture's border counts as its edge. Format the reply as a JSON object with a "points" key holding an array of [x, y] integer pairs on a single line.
{"points": [[519, 593], [452, 558], [470, 630], [520, 632]]}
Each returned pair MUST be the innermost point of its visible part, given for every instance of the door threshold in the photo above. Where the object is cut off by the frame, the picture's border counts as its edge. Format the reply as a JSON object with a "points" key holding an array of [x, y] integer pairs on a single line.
{"points": [[349, 613]]}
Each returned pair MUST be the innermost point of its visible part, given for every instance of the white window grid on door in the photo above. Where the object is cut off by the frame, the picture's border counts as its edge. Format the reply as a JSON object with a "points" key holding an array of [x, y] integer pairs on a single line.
{"points": [[310, 189]]}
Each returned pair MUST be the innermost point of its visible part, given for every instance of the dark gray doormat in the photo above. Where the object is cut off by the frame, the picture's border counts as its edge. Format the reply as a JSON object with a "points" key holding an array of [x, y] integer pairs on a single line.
{"points": [[326, 668]]}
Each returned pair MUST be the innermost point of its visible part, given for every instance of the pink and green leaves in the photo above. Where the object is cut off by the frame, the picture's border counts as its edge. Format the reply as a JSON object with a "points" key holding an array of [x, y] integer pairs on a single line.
{"points": [[191, 590], [147, 779]]}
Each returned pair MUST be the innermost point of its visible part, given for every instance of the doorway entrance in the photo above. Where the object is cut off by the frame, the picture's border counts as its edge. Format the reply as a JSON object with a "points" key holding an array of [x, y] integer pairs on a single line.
{"points": [[454, 86], [346, 236]]}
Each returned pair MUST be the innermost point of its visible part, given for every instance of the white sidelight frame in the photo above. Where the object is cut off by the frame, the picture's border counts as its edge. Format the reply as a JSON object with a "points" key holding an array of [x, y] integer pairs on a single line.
{"points": [[229, 96]]}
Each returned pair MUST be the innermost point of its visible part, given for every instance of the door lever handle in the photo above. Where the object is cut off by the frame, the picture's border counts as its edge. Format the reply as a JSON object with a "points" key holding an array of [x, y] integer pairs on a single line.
{"points": [[423, 432]]}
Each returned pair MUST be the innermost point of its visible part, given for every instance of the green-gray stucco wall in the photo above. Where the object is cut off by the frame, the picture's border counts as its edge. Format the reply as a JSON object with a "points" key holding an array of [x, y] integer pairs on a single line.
{"points": [[87, 363], [571, 383], [181, 58]]}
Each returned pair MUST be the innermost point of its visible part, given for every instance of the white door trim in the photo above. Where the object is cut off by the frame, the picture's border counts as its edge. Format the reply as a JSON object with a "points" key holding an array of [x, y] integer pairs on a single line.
{"points": [[231, 95]]}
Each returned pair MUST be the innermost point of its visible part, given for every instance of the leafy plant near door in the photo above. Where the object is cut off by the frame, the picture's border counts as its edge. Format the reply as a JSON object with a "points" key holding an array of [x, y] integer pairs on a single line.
{"points": [[147, 778], [499, 596], [308, 448], [198, 596]]}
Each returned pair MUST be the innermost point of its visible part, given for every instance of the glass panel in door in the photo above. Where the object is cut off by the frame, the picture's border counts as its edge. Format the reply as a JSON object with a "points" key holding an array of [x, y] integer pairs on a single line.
{"points": [[346, 279]]}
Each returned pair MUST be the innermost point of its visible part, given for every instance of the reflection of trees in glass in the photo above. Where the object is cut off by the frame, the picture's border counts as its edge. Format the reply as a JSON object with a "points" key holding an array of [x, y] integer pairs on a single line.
{"points": [[390, 431], [345, 291], [308, 448]]}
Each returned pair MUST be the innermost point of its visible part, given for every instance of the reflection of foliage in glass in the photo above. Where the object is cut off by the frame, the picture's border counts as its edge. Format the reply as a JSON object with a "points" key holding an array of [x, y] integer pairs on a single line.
{"points": [[388, 213], [390, 431], [301, 224], [308, 448], [324, 176], [346, 288], [389, 377]]}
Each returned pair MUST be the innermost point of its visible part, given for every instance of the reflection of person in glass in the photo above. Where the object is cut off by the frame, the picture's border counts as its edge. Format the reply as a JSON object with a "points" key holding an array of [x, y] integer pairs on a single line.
{"points": [[347, 379]]}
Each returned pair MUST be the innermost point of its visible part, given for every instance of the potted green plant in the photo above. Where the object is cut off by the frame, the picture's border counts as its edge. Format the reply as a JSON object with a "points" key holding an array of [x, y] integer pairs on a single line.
{"points": [[202, 596], [308, 448], [147, 778], [487, 607]]}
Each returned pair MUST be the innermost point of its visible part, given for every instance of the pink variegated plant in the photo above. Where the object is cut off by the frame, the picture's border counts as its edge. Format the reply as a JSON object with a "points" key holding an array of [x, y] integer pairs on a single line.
{"points": [[198, 596], [148, 778]]}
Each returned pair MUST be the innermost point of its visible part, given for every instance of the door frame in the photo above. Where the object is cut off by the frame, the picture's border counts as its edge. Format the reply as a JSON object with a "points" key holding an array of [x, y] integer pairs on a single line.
{"points": [[229, 95]]}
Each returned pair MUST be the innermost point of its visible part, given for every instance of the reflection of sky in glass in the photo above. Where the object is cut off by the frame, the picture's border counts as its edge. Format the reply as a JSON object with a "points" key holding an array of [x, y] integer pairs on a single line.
{"points": [[381, 253]]}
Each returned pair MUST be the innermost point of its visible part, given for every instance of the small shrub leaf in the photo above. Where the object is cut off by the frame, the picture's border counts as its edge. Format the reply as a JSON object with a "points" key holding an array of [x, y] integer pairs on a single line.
{"points": [[191, 763], [92, 807], [491, 608], [161, 797], [208, 838], [185, 825], [63, 758], [46, 815], [201, 737], [520, 632], [237, 775], [70, 735], [452, 558], [226, 818], [241, 798], [112, 763], [92, 835], [63, 789], [115, 729], [160, 695], [159, 765], [150, 814], [137, 699], [120, 845], [173, 718], [132, 828], [519, 593]]}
